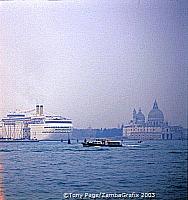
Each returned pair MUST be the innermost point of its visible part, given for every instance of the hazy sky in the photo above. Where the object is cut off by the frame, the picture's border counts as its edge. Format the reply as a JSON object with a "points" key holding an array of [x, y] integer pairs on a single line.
{"points": [[95, 61]]}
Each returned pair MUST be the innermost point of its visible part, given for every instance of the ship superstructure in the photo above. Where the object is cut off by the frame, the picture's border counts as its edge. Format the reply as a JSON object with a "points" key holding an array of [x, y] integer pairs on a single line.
{"points": [[15, 126], [50, 128]]}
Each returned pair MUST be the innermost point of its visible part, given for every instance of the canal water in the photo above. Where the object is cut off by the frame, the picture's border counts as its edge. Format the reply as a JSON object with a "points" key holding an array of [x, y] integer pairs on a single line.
{"points": [[53, 170]]}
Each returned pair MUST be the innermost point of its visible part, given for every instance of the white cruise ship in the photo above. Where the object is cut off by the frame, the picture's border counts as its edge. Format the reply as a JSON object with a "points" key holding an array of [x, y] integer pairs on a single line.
{"points": [[35, 127]]}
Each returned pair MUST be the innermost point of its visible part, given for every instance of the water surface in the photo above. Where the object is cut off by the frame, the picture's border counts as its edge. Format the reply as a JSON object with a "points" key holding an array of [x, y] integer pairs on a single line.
{"points": [[46, 170]]}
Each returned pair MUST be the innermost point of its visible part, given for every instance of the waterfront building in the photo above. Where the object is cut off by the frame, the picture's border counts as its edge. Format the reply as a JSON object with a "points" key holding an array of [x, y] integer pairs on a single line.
{"points": [[155, 128]]}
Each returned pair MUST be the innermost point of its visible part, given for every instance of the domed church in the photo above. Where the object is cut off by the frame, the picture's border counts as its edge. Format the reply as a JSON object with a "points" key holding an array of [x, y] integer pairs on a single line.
{"points": [[154, 128]]}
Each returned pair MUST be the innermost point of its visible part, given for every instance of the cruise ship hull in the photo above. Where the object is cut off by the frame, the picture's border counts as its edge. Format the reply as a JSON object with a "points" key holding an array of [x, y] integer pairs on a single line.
{"points": [[52, 136]]}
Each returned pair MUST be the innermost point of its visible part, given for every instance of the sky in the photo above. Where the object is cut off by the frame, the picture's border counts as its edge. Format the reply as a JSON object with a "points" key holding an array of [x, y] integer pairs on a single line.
{"points": [[95, 61]]}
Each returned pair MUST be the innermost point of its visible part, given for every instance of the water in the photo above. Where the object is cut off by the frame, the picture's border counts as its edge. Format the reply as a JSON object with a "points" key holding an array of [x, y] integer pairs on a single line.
{"points": [[47, 170]]}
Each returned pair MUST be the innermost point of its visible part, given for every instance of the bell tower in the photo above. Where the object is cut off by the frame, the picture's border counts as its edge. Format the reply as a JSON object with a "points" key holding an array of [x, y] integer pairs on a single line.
{"points": [[134, 115]]}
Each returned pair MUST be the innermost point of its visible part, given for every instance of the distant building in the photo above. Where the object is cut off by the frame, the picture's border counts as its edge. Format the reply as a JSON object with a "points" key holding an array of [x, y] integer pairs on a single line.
{"points": [[109, 133], [84, 133], [96, 133], [155, 128]]}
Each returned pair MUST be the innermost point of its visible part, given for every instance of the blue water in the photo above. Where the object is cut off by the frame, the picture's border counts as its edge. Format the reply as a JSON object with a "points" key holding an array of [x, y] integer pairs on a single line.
{"points": [[47, 170]]}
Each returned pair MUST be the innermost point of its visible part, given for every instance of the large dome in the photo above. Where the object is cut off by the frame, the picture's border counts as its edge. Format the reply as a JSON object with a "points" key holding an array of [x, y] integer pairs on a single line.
{"points": [[155, 113]]}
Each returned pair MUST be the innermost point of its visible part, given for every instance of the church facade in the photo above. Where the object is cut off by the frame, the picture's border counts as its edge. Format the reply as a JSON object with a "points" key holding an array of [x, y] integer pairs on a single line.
{"points": [[154, 128]]}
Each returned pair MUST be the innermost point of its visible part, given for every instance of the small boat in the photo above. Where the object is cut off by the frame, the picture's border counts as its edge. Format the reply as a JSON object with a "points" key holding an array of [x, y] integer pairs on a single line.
{"points": [[102, 143]]}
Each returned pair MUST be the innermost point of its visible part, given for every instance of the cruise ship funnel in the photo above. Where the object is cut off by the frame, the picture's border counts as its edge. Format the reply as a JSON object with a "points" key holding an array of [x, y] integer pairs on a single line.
{"points": [[37, 109], [41, 110]]}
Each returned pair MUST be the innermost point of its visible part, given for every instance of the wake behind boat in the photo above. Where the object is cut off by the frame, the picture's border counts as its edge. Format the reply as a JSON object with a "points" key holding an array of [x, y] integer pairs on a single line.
{"points": [[102, 143]]}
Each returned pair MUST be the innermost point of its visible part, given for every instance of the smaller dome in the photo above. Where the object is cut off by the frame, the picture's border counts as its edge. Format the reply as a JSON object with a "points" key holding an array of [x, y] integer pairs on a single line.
{"points": [[140, 116]]}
